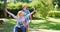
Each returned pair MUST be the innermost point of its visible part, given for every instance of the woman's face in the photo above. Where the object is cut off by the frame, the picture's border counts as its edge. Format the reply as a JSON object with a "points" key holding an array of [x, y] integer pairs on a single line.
{"points": [[21, 14]]}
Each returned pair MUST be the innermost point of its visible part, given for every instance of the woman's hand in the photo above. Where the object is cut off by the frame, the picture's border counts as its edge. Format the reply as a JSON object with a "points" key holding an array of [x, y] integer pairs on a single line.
{"points": [[6, 10]]}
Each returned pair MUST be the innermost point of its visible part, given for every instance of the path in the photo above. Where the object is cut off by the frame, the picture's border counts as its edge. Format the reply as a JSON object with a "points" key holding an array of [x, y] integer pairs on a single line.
{"points": [[43, 30]]}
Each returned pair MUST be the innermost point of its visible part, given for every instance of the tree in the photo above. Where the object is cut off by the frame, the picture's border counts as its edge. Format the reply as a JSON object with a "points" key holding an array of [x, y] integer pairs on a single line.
{"points": [[5, 7], [43, 7]]}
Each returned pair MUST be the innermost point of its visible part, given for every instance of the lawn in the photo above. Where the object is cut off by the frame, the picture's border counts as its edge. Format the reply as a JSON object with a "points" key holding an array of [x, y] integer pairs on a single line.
{"points": [[40, 24]]}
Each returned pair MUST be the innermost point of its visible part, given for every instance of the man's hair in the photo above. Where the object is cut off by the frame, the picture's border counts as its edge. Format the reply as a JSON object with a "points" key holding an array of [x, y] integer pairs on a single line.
{"points": [[23, 5]]}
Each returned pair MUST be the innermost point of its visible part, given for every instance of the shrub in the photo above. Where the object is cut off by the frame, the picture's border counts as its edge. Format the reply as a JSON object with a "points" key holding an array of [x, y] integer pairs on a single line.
{"points": [[54, 14], [43, 7], [15, 7]]}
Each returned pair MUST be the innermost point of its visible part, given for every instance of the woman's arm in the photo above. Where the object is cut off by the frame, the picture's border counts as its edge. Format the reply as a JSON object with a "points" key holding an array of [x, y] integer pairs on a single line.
{"points": [[12, 14], [29, 14]]}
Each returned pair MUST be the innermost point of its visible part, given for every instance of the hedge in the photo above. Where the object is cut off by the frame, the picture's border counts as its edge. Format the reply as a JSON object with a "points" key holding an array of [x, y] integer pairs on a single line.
{"points": [[54, 14]]}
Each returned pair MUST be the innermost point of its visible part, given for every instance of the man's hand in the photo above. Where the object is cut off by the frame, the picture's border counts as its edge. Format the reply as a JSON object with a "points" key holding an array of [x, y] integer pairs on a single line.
{"points": [[27, 25], [30, 18], [30, 21]]}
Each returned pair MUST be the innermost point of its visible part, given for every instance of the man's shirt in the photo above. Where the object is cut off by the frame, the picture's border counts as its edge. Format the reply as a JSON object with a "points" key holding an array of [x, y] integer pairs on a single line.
{"points": [[26, 13]]}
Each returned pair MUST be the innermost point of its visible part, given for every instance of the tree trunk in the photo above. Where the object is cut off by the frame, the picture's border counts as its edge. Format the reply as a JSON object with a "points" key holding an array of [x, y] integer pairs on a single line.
{"points": [[5, 7]]}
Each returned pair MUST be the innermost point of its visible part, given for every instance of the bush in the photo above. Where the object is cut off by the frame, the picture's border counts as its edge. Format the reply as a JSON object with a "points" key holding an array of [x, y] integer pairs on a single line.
{"points": [[14, 8], [54, 14], [1, 6], [43, 7], [1, 9]]}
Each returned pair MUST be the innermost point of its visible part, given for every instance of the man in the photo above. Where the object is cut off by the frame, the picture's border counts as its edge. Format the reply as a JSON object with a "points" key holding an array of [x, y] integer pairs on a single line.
{"points": [[24, 9]]}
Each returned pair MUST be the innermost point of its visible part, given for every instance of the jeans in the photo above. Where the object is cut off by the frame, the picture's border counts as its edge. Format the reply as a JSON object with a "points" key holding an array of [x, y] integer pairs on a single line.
{"points": [[22, 28]]}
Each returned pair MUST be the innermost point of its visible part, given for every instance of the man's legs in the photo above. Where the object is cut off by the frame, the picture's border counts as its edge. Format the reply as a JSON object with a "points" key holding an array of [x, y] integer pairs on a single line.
{"points": [[27, 21], [27, 28]]}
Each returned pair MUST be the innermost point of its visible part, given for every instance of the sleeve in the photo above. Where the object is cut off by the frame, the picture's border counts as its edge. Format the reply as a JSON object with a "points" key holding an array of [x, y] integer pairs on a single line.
{"points": [[29, 14], [12, 15]]}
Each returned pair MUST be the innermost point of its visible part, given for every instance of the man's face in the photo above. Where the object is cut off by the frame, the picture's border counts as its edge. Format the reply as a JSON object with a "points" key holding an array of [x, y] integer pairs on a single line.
{"points": [[24, 6]]}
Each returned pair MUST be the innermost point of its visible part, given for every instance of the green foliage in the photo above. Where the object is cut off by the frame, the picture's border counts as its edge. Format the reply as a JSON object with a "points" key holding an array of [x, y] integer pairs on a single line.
{"points": [[16, 7], [43, 7], [1, 9], [47, 7], [1, 5], [13, 6], [46, 25], [54, 14], [7, 26]]}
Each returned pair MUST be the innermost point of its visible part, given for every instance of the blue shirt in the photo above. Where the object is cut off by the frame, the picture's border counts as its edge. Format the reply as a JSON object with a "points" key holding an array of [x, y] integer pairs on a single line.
{"points": [[27, 12]]}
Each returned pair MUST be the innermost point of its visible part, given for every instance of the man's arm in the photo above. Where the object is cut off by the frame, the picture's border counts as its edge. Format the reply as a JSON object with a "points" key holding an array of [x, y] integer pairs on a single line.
{"points": [[30, 18], [31, 15]]}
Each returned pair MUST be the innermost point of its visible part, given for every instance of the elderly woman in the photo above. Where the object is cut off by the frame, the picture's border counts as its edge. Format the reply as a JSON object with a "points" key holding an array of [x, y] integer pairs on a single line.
{"points": [[20, 20]]}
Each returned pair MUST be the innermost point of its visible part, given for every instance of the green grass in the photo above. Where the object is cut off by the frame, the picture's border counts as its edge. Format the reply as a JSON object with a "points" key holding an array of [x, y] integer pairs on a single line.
{"points": [[9, 25], [34, 18], [46, 25]]}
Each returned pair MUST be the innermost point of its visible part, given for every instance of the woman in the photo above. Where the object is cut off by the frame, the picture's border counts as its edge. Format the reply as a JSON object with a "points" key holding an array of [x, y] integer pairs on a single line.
{"points": [[20, 20]]}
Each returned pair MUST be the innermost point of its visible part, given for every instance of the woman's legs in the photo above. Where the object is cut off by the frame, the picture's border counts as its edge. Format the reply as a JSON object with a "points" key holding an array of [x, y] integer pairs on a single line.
{"points": [[15, 29], [23, 28]]}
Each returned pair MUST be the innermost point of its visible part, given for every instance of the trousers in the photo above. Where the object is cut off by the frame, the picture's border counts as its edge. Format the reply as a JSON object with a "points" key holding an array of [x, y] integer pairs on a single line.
{"points": [[22, 29]]}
